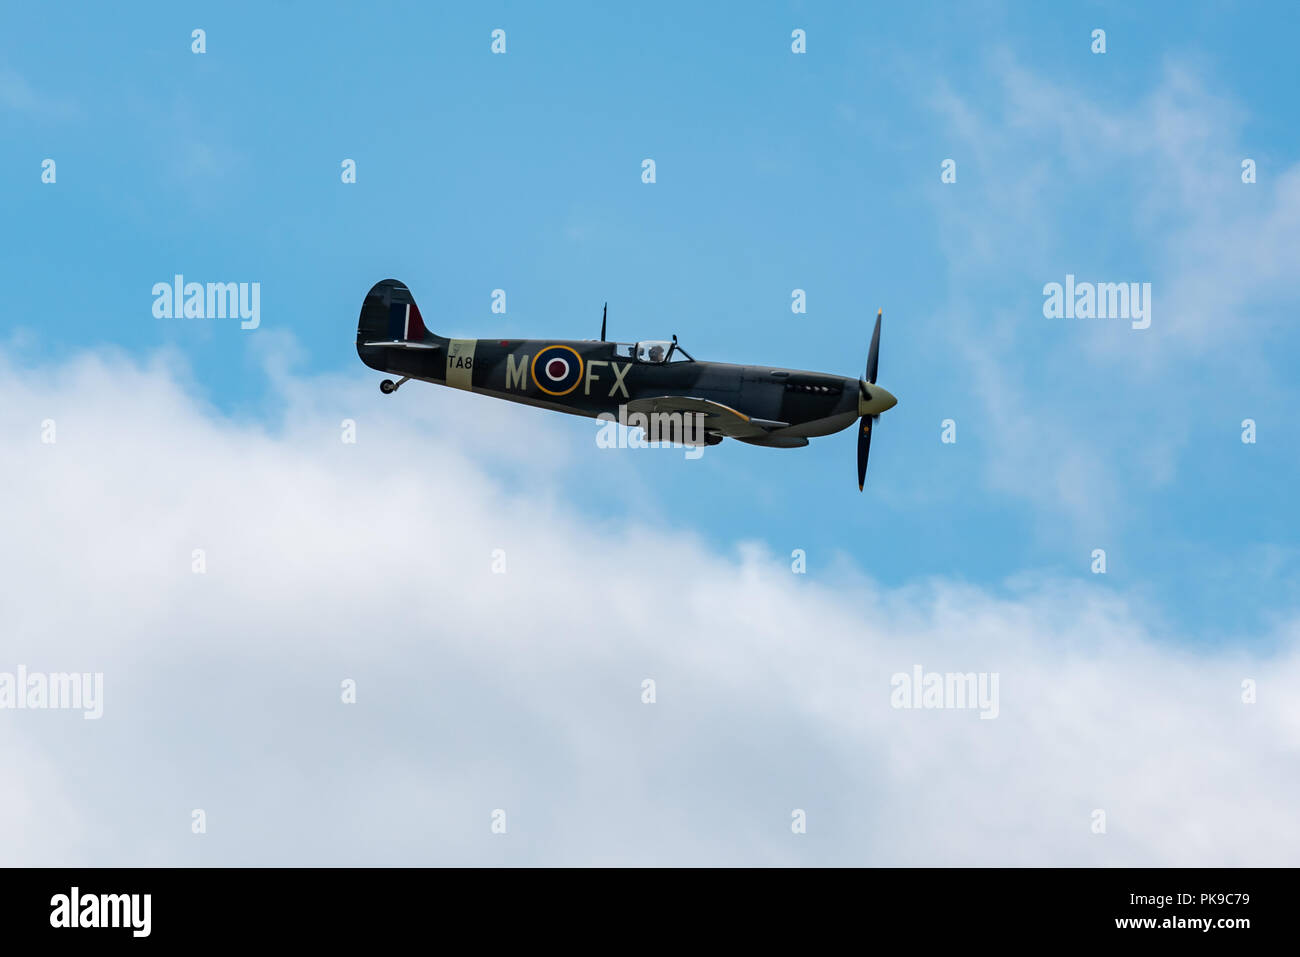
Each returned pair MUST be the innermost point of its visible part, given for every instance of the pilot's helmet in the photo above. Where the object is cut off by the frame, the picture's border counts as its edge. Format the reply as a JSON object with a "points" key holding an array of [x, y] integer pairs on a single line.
{"points": [[656, 353]]}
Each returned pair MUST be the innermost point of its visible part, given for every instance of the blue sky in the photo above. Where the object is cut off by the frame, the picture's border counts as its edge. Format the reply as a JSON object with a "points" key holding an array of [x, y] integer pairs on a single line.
{"points": [[775, 172]]}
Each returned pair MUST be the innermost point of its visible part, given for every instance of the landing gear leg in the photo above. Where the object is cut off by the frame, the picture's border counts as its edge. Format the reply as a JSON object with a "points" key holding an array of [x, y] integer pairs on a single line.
{"points": [[388, 386]]}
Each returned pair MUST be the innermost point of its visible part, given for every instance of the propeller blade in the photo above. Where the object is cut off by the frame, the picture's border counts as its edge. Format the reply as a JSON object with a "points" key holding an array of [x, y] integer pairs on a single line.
{"points": [[604, 313], [864, 448], [873, 354]]}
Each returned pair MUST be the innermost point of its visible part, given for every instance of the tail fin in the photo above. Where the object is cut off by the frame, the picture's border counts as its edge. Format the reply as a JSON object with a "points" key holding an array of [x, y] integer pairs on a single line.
{"points": [[390, 322], [390, 314]]}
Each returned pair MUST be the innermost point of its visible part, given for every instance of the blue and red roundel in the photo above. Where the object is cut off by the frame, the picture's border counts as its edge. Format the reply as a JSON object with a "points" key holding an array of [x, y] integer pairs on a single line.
{"points": [[557, 370]]}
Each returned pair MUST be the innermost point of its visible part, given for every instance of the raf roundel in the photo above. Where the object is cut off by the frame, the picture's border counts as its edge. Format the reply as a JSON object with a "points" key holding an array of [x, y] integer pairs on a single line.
{"points": [[557, 370]]}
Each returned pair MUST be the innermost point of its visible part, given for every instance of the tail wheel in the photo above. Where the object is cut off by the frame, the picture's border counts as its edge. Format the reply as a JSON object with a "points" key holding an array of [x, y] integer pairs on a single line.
{"points": [[388, 387]]}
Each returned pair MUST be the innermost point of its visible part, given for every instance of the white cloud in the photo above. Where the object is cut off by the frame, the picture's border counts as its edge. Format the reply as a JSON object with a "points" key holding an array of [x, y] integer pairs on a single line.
{"points": [[522, 691]]}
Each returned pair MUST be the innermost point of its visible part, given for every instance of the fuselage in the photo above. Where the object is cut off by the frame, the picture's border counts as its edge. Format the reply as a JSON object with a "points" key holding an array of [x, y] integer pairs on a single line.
{"points": [[588, 378]]}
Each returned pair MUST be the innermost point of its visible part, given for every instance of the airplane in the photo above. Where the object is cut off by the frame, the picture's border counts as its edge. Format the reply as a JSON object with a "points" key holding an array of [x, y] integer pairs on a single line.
{"points": [[760, 405]]}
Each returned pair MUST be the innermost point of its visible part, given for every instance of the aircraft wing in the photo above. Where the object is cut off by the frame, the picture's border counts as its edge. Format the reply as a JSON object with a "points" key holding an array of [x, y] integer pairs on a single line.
{"points": [[717, 417]]}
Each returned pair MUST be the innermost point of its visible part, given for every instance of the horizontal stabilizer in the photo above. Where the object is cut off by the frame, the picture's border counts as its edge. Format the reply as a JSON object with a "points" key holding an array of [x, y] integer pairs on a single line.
{"points": [[404, 345]]}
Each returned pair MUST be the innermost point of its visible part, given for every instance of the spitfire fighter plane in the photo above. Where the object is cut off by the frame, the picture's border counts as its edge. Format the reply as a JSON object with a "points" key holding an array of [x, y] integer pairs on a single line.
{"points": [[761, 405]]}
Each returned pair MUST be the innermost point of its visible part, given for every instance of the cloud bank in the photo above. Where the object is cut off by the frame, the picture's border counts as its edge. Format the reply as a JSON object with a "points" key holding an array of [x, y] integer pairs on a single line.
{"points": [[478, 691]]}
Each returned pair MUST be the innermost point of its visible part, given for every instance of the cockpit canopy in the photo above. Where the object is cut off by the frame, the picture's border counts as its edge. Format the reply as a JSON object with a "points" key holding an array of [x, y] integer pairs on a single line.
{"points": [[651, 350]]}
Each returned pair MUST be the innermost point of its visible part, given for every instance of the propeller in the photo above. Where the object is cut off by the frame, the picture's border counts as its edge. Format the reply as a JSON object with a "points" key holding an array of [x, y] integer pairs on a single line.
{"points": [[871, 402], [864, 449], [873, 354]]}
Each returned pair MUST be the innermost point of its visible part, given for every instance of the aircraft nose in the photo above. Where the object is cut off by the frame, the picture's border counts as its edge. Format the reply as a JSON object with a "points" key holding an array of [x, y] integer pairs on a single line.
{"points": [[882, 400]]}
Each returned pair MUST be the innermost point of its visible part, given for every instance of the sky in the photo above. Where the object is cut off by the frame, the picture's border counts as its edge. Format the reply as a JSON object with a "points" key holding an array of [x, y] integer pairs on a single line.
{"points": [[328, 560]]}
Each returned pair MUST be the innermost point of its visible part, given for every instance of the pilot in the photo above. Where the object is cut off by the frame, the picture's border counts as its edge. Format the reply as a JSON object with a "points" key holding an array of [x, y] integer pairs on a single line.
{"points": [[656, 353]]}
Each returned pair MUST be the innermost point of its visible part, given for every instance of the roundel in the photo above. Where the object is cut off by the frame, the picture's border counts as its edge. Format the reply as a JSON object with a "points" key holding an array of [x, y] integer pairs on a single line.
{"points": [[557, 370]]}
